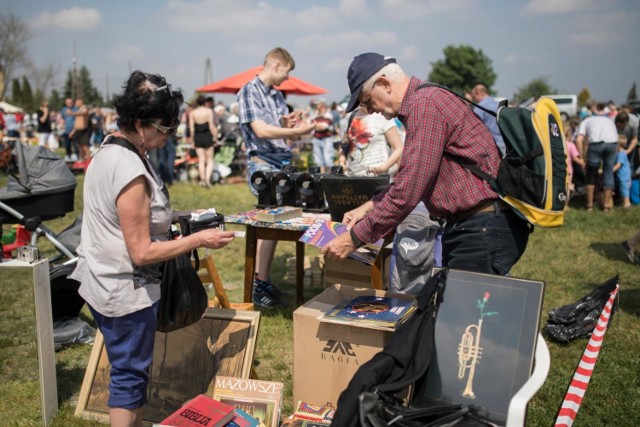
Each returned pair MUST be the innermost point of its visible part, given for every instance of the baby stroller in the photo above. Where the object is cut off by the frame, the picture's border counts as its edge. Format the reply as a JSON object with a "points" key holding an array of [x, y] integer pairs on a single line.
{"points": [[43, 189]]}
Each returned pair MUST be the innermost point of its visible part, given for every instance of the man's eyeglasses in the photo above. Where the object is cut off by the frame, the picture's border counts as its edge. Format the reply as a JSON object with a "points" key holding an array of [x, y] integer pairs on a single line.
{"points": [[366, 103], [166, 130]]}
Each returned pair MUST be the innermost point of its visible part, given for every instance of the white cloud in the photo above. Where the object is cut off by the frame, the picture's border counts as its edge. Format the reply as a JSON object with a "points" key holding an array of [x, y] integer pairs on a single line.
{"points": [[510, 59], [550, 7], [221, 16], [73, 19], [350, 8], [411, 10], [124, 54], [338, 65], [603, 29], [350, 40], [408, 53], [315, 17]]}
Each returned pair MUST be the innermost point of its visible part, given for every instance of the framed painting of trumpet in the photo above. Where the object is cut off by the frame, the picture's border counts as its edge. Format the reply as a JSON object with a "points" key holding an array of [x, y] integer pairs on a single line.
{"points": [[184, 365], [485, 340]]}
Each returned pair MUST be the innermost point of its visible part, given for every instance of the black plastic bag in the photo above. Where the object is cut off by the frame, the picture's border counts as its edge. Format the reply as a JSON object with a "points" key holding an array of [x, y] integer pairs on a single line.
{"points": [[577, 320], [183, 299]]}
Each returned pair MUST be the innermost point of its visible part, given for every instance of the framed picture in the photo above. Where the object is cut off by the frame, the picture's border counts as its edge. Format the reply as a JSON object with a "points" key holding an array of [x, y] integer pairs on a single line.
{"points": [[485, 340], [185, 363]]}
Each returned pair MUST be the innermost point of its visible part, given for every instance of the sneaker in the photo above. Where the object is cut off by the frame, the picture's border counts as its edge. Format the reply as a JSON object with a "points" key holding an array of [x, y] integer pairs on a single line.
{"points": [[74, 158], [268, 286], [266, 299], [67, 158], [630, 254]]}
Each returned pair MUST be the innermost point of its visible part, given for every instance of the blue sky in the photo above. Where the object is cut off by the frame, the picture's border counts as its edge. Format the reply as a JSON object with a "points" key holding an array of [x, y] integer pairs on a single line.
{"points": [[574, 43]]}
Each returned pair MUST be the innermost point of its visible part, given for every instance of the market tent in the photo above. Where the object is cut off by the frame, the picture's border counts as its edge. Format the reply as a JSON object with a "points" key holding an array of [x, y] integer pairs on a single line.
{"points": [[233, 84], [9, 108]]}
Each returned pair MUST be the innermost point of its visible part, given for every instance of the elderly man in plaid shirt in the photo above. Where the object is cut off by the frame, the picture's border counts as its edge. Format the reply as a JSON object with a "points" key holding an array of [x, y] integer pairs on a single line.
{"points": [[266, 125], [482, 233]]}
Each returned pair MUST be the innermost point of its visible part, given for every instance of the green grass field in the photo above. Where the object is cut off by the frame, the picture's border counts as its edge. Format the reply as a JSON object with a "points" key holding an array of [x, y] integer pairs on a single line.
{"points": [[571, 260]]}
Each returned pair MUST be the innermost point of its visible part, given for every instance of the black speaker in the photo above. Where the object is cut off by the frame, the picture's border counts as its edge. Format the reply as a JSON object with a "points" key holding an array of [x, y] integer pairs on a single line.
{"points": [[310, 192], [285, 184], [337, 170], [261, 182]]}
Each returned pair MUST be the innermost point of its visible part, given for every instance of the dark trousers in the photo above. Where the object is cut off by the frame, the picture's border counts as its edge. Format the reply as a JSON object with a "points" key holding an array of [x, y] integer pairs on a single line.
{"points": [[487, 242]]}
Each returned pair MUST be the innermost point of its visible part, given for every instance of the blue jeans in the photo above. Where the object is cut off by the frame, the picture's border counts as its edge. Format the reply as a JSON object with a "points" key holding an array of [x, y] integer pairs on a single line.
{"points": [[604, 152], [323, 152], [129, 344], [487, 242]]}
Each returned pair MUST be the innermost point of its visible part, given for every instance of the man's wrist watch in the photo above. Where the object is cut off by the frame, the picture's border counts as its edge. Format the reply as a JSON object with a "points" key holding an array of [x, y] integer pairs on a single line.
{"points": [[356, 241]]}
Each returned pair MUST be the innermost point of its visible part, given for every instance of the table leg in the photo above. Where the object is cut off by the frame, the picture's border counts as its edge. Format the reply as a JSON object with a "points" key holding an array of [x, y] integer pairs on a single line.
{"points": [[250, 264], [299, 272]]}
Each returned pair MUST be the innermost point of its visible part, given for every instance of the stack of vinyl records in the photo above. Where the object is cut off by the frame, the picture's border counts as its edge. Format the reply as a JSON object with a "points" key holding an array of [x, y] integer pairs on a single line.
{"points": [[380, 312]]}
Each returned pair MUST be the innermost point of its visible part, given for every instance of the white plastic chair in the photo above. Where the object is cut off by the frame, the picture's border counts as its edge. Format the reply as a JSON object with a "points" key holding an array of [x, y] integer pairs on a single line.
{"points": [[518, 405]]}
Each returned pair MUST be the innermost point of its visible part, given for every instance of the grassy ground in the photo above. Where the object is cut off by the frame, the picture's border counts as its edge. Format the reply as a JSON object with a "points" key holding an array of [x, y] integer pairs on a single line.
{"points": [[571, 260]]}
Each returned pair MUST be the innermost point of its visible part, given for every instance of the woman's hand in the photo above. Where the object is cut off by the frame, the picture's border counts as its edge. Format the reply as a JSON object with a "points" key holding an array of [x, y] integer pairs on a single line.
{"points": [[214, 239]]}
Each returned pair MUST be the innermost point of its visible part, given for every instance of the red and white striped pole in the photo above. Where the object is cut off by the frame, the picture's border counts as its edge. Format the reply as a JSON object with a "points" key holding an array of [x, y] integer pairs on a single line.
{"points": [[581, 377]]}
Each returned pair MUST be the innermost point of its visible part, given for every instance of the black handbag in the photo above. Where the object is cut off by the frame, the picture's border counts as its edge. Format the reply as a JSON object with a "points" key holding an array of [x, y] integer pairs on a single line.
{"points": [[183, 299], [378, 409]]}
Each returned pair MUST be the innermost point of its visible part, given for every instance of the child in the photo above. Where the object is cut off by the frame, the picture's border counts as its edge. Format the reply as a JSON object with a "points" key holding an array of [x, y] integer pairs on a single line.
{"points": [[573, 157], [623, 172]]}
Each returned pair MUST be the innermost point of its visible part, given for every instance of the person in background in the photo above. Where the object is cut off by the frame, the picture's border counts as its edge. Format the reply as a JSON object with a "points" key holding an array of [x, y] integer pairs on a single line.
{"points": [[629, 246], [622, 172], [575, 159], [373, 145], [44, 124], [66, 115], [480, 96], [125, 238], [266, 125], [204, 135], [323, 151], [482, 233], [97, 121], [602, 137], [81, 130]]}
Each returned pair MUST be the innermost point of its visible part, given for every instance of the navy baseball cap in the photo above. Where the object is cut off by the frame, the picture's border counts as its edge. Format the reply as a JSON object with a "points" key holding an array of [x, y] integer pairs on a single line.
{"points": [[361, 69]]}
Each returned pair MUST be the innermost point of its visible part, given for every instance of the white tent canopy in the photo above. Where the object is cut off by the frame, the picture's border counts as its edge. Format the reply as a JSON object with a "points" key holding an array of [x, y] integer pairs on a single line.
{"points": [[9, 108]]}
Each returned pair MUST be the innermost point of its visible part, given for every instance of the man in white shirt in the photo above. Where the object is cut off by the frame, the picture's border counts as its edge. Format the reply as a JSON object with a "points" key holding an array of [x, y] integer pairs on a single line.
{"points": [[602, 135]]}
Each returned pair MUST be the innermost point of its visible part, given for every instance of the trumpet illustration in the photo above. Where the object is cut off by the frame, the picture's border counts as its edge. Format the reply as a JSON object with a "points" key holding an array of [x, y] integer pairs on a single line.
{"points": [[469, 349]]}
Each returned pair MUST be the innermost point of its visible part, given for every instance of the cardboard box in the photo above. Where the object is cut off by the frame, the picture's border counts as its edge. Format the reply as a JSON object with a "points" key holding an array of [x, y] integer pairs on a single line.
{"points": [[351, 272], [327, 355]]}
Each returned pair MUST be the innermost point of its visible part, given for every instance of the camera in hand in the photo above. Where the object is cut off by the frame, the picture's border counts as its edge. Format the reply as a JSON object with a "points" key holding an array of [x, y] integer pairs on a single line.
{"points": [[204, 222]]}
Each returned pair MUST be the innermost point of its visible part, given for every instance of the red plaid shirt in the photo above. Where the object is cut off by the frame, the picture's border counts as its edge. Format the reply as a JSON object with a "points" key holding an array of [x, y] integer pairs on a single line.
{"points": [[436, 121]]}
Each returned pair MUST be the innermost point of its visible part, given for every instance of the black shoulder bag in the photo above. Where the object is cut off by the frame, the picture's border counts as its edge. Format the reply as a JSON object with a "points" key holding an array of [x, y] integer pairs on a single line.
{"points": [[183, 299]]}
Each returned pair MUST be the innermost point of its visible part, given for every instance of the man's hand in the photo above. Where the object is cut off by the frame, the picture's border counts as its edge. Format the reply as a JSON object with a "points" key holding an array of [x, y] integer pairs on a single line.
{"points": [[292, 119], [352, 217], [340, 247]]}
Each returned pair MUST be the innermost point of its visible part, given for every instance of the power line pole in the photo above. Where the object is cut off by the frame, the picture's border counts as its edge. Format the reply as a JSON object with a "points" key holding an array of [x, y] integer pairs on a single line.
{"points": [[74, 83], [208, 72]]}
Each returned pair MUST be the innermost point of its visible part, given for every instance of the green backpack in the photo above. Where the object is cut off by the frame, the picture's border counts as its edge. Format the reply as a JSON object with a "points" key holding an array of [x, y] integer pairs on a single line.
{"points": [[533, 176]]}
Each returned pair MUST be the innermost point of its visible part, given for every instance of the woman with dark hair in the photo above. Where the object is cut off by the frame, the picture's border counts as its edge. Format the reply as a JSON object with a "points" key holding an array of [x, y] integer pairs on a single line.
{"points": [[124, 239], [203, 133]]}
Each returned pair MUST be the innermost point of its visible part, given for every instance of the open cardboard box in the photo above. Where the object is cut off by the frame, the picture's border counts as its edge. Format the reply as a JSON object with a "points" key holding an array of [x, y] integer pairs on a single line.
{"points": [[327, 355]]}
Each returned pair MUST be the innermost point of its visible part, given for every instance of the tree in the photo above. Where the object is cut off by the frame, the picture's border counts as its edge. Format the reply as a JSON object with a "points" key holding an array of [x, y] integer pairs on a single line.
{"points": [[84, 87], [535, 88], [43, 77], [16, 92], [583, 97], [56, 102], [462, 68], [14, 34], [632, 93], [27, 96]]}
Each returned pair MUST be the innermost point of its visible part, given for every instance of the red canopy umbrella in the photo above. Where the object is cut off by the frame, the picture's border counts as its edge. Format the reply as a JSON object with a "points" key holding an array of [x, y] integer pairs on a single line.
{"points": [[234, 83]]}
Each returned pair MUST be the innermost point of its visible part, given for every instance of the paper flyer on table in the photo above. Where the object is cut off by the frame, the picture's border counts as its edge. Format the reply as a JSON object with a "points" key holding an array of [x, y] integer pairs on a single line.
{"points": [[322, 232]]}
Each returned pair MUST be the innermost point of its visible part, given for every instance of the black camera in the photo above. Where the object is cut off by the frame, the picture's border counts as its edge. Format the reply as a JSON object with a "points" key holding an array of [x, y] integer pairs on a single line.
{"points": [[285, 184], [261, 182], [205, 221]]}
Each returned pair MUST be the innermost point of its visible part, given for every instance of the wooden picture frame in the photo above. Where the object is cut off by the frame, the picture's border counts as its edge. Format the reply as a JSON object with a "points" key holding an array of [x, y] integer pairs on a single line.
{"points": [[185, 363], [485, 339]]}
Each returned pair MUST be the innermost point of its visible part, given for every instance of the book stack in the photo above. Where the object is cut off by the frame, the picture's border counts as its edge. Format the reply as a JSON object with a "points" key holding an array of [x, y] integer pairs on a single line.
{"points": [[378, 312], [201, 411], [278, 214], [261, 400]]}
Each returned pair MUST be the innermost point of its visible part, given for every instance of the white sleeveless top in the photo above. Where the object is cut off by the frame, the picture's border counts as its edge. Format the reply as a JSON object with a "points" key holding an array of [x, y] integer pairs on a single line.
{"points": [[110, 282], [371, 148]]}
